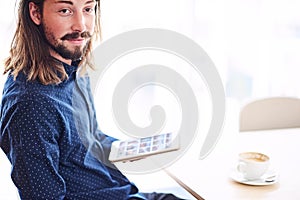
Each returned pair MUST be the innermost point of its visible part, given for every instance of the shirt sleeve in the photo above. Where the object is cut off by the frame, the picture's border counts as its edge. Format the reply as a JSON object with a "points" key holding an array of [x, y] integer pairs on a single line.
{"points": [[33, 132], [101, 147], [100, 143]]}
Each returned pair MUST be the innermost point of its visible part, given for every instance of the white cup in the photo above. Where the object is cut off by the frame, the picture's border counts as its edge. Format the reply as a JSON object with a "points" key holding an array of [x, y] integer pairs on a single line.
{"points": [[252, 165]]}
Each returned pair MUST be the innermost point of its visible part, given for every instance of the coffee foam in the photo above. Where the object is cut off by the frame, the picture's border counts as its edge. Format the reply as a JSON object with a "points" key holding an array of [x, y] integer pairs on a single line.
{"points": [[253, 156]]}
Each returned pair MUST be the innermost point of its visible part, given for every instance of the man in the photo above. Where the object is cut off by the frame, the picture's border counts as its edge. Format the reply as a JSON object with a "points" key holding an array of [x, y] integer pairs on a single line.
{"points": [[48, 126]]}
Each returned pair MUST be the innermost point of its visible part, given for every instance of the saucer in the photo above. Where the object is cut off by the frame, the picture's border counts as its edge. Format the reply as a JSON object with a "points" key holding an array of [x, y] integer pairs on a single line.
{"points": [[269, 178]]}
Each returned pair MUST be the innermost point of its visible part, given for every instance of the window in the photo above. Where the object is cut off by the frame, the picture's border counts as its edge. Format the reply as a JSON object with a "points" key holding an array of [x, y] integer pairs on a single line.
{"points": [[254, 44]]}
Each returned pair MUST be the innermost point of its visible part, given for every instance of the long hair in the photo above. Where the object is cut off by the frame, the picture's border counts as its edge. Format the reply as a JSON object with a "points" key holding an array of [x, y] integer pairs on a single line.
{"points": [[29, 55]]}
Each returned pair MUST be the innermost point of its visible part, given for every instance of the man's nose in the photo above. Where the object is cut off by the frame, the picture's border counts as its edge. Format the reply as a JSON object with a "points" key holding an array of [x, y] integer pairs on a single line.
{"points": [[79, 23]]}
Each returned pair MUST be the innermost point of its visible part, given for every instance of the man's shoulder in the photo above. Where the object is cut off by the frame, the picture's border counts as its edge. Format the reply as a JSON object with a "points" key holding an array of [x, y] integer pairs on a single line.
{"points": [[22, 89], [22, 93]]}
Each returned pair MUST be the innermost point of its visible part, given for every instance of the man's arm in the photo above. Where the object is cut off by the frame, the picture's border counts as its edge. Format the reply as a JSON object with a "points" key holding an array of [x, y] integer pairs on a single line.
{"points": [[30, 134]]}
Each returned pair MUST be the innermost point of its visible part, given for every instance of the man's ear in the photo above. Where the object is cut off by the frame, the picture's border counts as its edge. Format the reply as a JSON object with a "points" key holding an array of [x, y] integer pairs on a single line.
{"points": [[35, 13]]}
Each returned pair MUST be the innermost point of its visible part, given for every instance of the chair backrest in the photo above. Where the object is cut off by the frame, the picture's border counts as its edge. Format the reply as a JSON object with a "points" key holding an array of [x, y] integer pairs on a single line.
{"points": [[7, 188], [270, 113]]}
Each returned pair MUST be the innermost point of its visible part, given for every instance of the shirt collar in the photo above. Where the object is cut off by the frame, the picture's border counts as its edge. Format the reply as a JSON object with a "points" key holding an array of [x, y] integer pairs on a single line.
{"points": [[69, 68]]}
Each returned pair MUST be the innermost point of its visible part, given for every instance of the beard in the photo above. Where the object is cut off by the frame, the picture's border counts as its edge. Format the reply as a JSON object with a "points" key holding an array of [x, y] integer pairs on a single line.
{"points": [[73, 54]]}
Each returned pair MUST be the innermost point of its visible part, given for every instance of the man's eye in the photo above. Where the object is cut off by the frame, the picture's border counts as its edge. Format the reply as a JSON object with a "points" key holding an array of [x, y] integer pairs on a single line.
{"points": [[89, 10], [65, 11]]}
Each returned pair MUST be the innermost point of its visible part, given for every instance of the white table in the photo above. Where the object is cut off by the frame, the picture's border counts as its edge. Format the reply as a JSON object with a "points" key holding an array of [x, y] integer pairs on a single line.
{"points": [[210, 178]]}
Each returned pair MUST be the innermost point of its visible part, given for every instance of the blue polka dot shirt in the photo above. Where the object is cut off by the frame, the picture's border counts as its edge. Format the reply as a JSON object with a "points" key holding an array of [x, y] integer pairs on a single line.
{"points": [[50, 135]]}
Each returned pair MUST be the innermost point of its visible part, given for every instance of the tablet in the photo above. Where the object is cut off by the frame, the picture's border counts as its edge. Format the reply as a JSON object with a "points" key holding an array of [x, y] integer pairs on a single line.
{"points": [[135, 149]]}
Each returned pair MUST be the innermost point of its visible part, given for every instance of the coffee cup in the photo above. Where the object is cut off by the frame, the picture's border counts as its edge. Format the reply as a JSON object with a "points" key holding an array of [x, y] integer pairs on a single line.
{"points": [[253, 165]]}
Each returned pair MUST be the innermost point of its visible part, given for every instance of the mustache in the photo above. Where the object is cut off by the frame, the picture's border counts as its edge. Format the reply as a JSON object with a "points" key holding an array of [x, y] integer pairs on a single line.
{"points": [[76, 35]]}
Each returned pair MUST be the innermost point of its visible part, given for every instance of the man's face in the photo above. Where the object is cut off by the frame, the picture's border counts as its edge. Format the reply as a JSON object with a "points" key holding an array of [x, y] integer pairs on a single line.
{"points": [[68, 26]]}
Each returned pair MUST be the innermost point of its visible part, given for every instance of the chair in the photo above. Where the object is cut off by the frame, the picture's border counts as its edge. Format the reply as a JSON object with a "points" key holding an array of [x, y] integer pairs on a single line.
{"points": [[7, 188], [270, 113]]}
